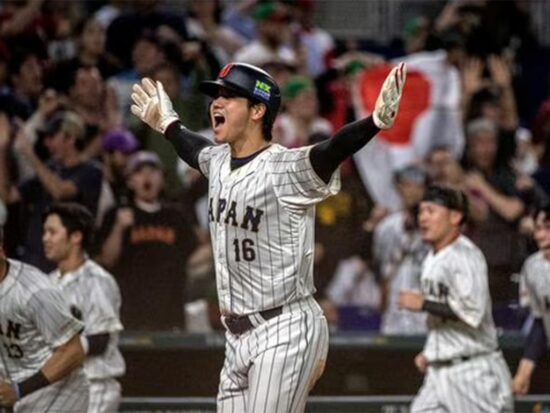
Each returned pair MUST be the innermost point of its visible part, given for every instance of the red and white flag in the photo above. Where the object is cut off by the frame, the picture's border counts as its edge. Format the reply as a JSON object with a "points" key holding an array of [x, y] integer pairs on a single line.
{"points": [[429, 116]]}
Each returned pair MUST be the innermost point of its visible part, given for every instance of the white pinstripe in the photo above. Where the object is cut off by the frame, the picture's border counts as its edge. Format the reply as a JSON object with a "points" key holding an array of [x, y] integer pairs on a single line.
{"points": [[40, 321], [535, 285], [271, 368], [262, 219], [457, 276], [95, 293]]}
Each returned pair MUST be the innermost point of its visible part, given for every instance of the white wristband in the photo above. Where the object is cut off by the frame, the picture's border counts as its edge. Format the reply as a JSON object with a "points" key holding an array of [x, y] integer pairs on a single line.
{"points": [[84, 343]]}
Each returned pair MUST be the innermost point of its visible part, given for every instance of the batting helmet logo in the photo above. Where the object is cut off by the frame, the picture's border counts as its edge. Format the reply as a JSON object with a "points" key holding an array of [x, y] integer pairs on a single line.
{"points": [[225, 71]]}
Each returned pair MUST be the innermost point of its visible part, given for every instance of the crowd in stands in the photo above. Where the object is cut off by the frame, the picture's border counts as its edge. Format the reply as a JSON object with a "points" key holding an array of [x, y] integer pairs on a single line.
{"points": [[66, 134]]}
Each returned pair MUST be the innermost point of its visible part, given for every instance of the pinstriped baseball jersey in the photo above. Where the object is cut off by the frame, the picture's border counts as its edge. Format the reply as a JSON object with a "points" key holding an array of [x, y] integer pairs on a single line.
{"points": [[94, 294], [34, 319], [262, 225], [535, 280], [457, 275]]}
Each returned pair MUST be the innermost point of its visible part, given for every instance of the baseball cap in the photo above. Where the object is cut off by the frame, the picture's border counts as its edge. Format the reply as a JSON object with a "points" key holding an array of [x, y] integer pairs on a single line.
{"points": [[295, 85], [68, 122], [121, 140], [270, 11], [143, 158], [413, 173], [480, 125]]}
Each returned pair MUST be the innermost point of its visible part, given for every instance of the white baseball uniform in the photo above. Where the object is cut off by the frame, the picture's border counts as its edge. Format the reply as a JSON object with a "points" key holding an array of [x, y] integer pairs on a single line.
{"points": [[466, 371], [94, 294], [535, 283], [400, 254], [35, 319], [262, 228]]}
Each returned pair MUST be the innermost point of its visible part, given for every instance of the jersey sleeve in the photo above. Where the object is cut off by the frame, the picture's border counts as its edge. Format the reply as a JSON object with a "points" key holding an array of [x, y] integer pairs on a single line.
{"points": [[206, 156], [296, 183], [102, 312], [468, 292], [51, 316], [528, 292]]}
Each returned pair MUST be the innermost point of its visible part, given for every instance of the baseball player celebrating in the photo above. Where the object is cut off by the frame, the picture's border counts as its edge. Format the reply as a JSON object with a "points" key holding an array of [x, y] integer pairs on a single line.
{"points": [[535, 281], [40, 350], [93, 296], [262, 200], [465, 370]]}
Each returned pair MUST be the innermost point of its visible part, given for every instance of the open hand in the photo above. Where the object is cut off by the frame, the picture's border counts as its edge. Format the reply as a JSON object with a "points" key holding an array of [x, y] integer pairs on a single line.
{"points": [[387, 103]]}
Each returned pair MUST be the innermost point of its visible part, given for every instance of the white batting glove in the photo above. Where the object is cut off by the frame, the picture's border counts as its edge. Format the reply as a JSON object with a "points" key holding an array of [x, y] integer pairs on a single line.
{"points": [[152, 105], [387, 103]]}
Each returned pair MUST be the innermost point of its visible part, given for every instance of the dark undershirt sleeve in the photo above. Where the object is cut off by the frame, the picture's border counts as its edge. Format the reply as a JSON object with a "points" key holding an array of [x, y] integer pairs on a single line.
{"points": [[97, 344], [327, 155], [187, 144], [439, 309], [536, 342]]}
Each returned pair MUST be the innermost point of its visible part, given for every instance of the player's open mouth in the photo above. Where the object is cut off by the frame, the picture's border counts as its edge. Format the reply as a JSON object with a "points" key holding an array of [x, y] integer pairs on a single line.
{"points": [[218, 120]]}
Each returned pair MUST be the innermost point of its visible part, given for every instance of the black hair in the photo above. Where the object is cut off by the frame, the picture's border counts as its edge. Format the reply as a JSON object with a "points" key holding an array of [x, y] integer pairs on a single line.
{"points": [[545, 208], [1, 235], [448, 197], [267, 121], [75, 218]]}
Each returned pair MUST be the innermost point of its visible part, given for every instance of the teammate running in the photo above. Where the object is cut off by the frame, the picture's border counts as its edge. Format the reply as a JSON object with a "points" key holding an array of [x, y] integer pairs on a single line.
{"points": [[262, 200], [93, 296], [535, 280], [40, 350], [465, 371]]}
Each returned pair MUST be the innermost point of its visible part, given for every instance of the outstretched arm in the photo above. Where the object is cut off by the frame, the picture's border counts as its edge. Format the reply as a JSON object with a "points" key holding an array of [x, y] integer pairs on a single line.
{"points": [[327, 155], [153, 106]]}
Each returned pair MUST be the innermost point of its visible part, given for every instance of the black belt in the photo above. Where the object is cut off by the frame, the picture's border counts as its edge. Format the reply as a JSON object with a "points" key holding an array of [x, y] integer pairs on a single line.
{"points": [[238, 325], [456, 360]]}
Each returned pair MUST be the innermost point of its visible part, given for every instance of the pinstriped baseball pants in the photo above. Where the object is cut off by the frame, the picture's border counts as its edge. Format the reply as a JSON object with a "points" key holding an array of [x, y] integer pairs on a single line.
{"points": [[272, 367], [480, 385]]}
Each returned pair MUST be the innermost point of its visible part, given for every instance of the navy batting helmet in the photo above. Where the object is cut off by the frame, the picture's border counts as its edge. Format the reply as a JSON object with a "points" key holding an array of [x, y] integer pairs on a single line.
{"points": [[247, 81]]}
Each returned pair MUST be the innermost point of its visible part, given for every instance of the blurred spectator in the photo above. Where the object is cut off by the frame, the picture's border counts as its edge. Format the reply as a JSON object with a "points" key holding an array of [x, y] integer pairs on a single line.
{"points": [[416, 34], [317, 43], [541, 138], [525, 160], [26, 76], [147, 245], [237, 16], [204, 24], [192, 107], [24, 21], [125, 30], [492, 97], [65, 177], [272, 44], [444, 170], [354, 284], [301, 120], [90, 53], [96, 103], [64, 15], [110, 11], [118, 145], [148, 52], [493, 181], [399, 251]]}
